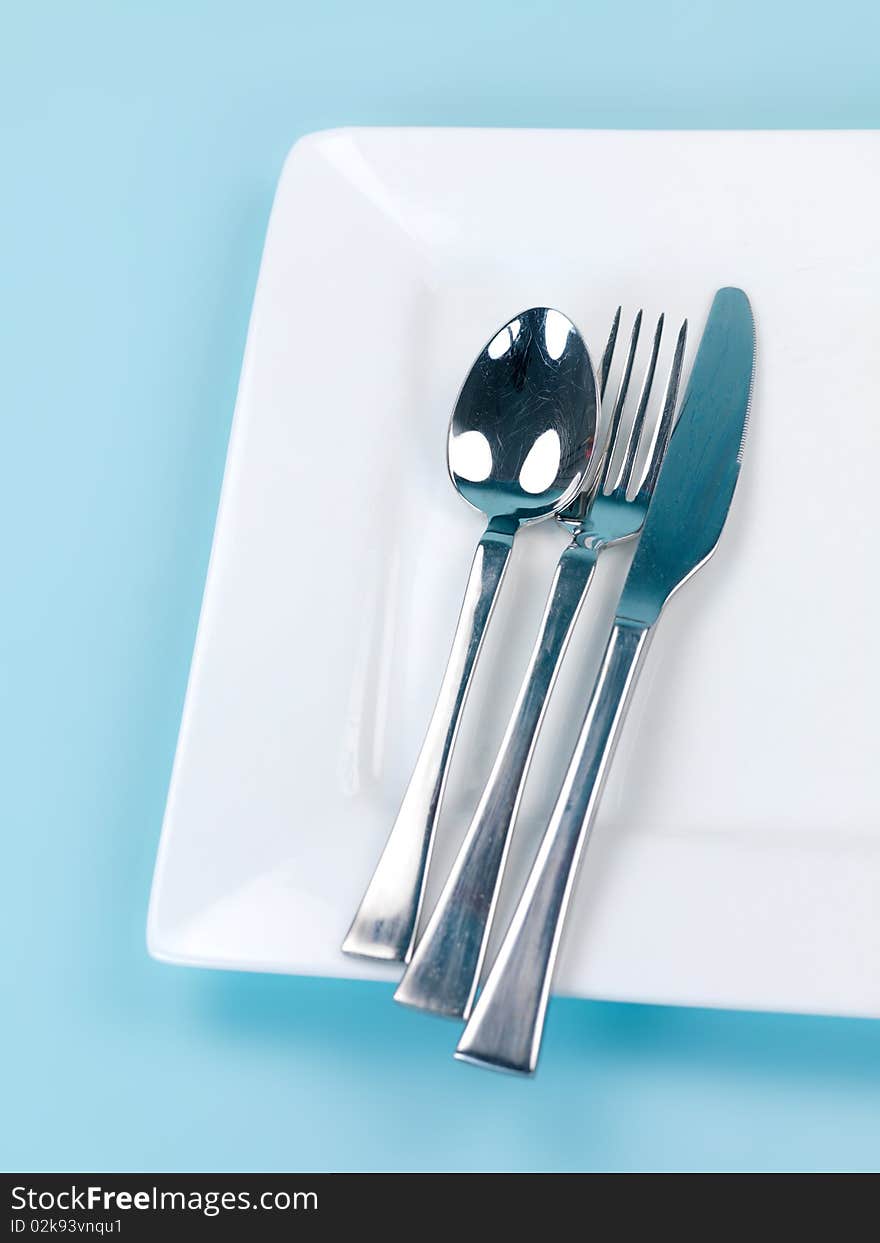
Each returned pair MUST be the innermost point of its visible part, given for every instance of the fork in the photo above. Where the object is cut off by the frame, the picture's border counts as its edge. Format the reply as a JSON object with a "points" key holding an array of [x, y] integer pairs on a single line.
{"points": [[444, 972]]}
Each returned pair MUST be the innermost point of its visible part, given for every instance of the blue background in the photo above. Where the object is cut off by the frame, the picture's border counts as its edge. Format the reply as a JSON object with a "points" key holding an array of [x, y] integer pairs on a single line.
{"points": [[140, 148]]}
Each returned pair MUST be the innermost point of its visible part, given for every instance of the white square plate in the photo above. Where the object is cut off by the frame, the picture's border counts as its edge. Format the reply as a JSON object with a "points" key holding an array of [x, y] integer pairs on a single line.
{"points": [[736, 861]]}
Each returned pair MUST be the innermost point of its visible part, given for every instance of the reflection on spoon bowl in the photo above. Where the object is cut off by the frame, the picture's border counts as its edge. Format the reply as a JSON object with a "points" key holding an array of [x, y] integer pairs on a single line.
{"points": [[523, 431]]}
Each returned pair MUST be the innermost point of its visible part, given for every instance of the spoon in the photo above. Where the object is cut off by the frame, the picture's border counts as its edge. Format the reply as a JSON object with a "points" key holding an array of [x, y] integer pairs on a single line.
{"points": [[520, 448]]}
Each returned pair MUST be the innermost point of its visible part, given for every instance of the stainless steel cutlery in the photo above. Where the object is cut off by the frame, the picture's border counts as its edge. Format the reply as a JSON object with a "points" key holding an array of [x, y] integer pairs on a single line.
{"points": [[445, 968], [521, 446], [524, 445], [683, 524]]}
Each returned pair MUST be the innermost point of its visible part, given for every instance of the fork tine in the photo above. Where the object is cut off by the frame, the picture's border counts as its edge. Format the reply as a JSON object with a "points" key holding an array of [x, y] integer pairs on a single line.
{"points": [[664, 427], [605, 365], [623, 387], [635, 436]]}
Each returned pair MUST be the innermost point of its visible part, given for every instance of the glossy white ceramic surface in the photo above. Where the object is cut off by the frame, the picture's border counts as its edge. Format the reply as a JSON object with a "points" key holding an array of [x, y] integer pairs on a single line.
{"points": [[736, 861]]}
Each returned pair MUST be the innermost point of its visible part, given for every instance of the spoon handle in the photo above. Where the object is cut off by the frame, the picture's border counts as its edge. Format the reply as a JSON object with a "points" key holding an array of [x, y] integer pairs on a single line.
{"points": [[386, 921], [445, 967], [505, 1029]]}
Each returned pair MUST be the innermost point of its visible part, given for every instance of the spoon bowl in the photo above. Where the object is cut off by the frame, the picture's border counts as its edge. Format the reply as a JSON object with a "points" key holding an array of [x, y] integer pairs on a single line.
{"points": [[523, 431]]}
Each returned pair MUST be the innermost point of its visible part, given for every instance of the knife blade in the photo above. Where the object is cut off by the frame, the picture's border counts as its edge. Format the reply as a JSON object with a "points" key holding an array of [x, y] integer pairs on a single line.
{"points": [[699, 473]]}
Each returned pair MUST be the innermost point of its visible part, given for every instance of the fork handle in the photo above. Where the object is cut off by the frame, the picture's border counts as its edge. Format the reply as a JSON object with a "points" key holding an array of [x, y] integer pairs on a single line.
{"points": [[445, 966], [508, 1019], [386, 921]]}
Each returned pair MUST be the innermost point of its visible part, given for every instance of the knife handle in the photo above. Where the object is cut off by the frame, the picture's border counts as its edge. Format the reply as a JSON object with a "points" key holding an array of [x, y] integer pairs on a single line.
{"points": [[386, 921], [505, 1029], [446, 964]]}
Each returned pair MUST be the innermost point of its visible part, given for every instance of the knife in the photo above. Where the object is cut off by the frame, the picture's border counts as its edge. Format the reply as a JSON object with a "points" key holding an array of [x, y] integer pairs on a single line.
{"points": [[682, 527]]}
